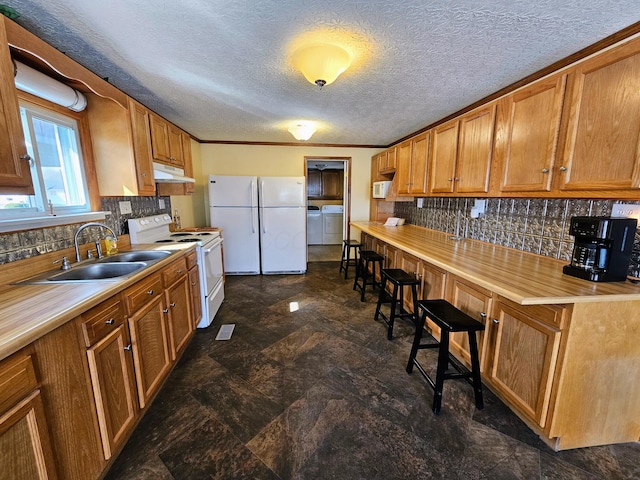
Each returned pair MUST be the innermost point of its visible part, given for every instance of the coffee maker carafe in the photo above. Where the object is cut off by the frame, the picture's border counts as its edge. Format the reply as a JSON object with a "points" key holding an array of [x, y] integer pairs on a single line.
{"points": [[602, 248]]}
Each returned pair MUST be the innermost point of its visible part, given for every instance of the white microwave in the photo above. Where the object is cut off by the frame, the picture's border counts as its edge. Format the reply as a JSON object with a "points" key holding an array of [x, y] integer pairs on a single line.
{"points": [[380, 189]]}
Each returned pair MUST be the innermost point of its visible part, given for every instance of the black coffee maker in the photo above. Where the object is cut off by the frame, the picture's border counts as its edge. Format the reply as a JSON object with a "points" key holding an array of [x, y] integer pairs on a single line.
{"points": [[602, 248]]}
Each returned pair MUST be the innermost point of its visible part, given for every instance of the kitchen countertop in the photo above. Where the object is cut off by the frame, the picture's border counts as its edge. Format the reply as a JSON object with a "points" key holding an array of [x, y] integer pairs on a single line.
{"points": [[525, 278], [28, 312]]}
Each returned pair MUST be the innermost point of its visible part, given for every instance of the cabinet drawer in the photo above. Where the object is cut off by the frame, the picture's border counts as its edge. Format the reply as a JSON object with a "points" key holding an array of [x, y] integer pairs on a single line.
{"points": [[192, 260], [141, 293], [17, 379], [174, 271], [551, 315], [102, 320]]}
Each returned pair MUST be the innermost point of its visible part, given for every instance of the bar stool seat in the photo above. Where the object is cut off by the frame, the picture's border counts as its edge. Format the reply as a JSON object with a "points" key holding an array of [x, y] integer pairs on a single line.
{"points": [[399, 279], [367, 258], [346, 260], [449, 319]]}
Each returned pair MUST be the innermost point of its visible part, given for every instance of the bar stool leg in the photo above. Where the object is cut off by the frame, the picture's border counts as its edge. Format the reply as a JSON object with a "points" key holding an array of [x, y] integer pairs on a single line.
{"points": [[392, 314], [443, 363], [358, 269], [475, 370], [383, 282], [364, 274]]}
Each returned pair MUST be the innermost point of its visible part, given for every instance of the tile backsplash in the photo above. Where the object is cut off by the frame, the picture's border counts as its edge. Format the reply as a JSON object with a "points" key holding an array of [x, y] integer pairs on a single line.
{"points": [[534, 225], [30, 243]]}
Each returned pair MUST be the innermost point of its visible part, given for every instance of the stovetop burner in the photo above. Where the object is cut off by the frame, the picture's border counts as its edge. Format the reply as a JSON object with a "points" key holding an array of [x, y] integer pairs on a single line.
{"points": [[181, 235], [166, 240]]}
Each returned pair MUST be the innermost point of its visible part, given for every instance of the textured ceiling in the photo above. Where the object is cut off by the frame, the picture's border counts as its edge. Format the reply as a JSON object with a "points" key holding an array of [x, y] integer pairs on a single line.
{"points": [[221, 69]]}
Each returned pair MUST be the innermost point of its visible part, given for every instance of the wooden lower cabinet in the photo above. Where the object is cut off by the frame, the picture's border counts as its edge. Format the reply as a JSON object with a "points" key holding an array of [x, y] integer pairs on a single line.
{"points": [[181, 326], [524, 355], [25, 445], [476, 302]]}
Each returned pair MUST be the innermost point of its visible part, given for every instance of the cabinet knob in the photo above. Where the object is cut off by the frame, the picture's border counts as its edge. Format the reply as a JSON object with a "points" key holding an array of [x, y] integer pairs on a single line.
{"points": [[457, 179], [25, 156], [172, 304], [483, 315], [563, 169], [450, 179], [111, 321], [128, 348], [193, 284], [150, 292], [166, 310], [496, 321], [545, 170], [144, 174]]}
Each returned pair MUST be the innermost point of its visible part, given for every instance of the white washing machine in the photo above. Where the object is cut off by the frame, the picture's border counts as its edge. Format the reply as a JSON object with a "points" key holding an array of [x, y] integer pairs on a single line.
{"points": [[332, 224], [314, 227]]}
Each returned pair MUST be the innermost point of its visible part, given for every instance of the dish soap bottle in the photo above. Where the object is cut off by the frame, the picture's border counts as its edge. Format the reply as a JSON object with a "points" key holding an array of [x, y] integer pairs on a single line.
{"points": [[176, 220], [111, 245]]}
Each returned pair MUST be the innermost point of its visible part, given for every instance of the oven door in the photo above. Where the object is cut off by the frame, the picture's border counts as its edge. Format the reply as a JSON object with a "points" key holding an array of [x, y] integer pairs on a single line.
{"points": [[212, 264]]}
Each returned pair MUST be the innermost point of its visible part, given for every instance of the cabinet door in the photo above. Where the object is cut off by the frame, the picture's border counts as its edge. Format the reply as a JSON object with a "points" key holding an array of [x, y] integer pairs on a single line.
{"points": [[475, 302], [159, 139], [175, 146], [151, 357], [412, 266], [15, 173], [196, 298], [25, 448], [314, 184], [527, 125], [602, 147], [475, 151], [391, 160], [180, 323], [332, 184], [113, 388], [142, 148], [444, 152], [403, 170], [419, 164], [432, 286], [527, 342]]}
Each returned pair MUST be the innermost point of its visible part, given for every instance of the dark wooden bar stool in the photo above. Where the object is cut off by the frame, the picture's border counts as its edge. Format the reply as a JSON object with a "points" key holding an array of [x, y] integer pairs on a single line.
{"points": [[367, 258], [449, 319], [347, 247], [399, 279]]}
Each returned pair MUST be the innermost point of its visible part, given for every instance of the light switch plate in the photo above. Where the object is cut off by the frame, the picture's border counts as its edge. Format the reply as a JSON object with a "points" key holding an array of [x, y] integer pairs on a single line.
{"points": [[125, 207], [625, 210]]}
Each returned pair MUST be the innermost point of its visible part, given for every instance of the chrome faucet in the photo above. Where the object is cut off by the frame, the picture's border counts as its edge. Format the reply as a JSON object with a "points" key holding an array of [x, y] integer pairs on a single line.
{"points": [[86, 225]]}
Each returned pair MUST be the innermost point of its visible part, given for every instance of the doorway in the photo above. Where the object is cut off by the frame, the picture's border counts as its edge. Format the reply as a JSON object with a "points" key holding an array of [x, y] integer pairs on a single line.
{"points": [[328, 206]]}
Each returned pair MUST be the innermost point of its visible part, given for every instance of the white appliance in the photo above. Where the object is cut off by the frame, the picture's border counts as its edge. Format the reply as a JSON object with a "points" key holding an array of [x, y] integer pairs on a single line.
{"points": [[233, 207], [314, 227], [263, 221], [332, 221], [380, 189], [283, 215], [155, 229]]}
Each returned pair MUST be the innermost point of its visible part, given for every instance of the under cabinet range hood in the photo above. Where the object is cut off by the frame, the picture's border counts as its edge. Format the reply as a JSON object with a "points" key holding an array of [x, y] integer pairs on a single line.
{"points": [[168, 174]]}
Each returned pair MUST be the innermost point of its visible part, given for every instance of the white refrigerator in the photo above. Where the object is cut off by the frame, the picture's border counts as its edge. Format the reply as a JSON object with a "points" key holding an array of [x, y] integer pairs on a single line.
{"points": [[263, 223], [283, 218], [233, 206]]}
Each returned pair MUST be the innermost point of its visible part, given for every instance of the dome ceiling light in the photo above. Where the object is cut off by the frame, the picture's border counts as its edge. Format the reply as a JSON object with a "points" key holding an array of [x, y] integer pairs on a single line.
{"points": [[302, 130], [321, 64]]}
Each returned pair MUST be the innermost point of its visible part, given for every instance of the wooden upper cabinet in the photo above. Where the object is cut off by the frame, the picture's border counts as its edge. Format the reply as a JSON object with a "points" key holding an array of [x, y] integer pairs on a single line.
{"points": [[602, 142], [332, 184], [175, 146], [314, 184], [15, 172], [475, 150], [527, 127], [142, 148], [403, 169], [419, 164], [387, 161], [444, 151], [160, 139]]}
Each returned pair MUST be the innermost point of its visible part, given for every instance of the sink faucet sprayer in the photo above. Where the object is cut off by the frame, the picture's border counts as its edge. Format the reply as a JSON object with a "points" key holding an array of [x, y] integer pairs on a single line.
{"points": [[86, 225]]}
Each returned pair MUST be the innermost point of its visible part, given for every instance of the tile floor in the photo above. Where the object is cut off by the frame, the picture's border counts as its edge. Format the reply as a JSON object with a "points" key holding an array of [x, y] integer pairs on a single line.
{"points": [[319, 393]]}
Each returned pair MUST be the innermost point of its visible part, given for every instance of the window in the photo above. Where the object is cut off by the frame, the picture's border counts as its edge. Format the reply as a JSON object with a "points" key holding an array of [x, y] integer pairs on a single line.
{"points": [[57, 167]]}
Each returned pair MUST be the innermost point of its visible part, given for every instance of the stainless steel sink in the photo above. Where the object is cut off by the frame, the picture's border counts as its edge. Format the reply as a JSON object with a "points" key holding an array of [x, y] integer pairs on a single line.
{"points": [[136, 256], [98, 271]]}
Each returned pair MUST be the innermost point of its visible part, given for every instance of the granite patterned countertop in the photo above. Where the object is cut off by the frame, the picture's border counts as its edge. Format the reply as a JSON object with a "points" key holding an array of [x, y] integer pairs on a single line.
{"points": [[525, 278], [28, 312]]}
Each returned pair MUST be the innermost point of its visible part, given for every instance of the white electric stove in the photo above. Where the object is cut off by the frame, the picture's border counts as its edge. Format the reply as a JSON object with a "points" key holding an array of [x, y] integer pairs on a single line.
{"points": [[155, 229]]}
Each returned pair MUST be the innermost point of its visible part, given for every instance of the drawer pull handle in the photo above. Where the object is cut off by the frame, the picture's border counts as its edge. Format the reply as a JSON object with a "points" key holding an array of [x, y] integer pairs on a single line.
{"points": [[483, 315], [111, 321], [166, 310], [179, 271], [128, 348], [496, 321], [150, 292], [172, 304]]}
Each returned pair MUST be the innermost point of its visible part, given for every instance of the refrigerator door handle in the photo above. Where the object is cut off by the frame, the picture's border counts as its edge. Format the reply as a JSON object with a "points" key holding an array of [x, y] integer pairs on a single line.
{"points": [[253, 187], [253, 220]]}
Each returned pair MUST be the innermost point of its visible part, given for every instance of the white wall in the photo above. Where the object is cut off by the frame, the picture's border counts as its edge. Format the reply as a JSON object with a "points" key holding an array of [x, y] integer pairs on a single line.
{"points": [[262, 160]]}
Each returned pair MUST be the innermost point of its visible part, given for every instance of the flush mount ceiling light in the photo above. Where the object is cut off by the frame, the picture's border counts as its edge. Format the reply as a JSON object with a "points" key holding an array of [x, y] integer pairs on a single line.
{"points": [[302, 130], [321, 64]]}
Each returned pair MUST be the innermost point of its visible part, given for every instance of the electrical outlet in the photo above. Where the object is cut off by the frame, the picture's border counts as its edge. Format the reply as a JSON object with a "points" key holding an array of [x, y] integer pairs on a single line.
{"points": [[161, 203], [420, 202], [125, 207], [625, 210]]}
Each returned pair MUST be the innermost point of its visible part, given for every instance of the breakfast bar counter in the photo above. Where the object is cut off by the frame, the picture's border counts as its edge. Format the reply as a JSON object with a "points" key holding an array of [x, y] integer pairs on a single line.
{"points": [[561, 352]]}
